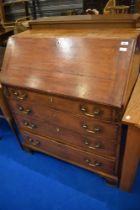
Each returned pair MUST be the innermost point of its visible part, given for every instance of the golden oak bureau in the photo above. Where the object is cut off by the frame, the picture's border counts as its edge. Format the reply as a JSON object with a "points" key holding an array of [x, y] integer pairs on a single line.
{"points": [[67, 81]]}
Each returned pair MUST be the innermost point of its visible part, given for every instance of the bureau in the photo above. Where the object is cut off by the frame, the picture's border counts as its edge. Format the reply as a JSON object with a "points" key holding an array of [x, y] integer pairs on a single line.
{"points": [[67, 82]]}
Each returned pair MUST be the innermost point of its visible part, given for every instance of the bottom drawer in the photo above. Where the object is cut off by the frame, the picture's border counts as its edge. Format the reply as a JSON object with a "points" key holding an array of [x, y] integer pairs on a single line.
{"points": [[84, 159]]}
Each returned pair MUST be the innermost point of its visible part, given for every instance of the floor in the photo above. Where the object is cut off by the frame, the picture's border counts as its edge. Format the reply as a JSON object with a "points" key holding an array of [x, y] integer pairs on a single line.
{"points": [[39, 182]]}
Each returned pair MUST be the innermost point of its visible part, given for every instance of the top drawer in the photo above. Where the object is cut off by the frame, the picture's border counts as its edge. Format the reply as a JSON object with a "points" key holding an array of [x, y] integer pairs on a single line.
{"points": [[80, 107]]}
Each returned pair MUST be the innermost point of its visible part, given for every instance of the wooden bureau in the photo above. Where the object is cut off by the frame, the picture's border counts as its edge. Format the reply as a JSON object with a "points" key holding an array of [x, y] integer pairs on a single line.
{"points": [[68, 82]]}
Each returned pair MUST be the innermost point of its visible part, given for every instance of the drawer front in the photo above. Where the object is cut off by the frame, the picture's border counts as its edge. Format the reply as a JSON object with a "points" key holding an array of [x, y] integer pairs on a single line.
{"points": [[78, 124], [92, 144], [40, 101], [70, 154]]}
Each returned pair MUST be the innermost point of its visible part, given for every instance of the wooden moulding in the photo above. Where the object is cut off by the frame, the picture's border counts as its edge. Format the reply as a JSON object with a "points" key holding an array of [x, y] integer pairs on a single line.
{"points": [[120, 20]]}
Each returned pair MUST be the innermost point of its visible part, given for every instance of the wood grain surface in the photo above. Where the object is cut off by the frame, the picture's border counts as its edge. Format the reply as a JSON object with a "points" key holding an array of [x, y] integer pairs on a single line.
{"points": [[132, 114], [131, 158], [80, 67], [77, 107], [69, 153]]}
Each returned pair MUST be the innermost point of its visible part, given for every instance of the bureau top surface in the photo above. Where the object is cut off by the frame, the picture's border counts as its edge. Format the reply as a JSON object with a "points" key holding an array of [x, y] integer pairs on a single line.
{"points": [[132, 112], [88, 64]]}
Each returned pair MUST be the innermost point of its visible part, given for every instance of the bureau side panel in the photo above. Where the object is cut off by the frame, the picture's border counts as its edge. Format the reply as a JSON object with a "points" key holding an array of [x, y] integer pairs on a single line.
{"points": [[132, 77]]}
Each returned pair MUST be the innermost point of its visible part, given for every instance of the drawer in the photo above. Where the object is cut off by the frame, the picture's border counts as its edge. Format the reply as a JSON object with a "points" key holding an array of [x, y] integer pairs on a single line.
{"points": [[92, 144], [36, 101], [84, 126], [84, 159]]}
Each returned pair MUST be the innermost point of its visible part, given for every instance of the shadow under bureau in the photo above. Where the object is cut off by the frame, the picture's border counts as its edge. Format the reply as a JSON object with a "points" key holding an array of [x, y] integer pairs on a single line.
{"points": [[67, 84]]}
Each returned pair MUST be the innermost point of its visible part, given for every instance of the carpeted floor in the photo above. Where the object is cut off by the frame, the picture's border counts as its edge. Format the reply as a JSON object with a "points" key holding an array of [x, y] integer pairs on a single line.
{"points": [[40, 182]]}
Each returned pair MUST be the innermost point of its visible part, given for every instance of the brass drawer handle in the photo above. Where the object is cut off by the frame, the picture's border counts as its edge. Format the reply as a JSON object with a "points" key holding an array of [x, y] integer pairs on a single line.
{"points": [[94, 131], [18, 95], [15, 93], [95, 164], [97, 146], [27, 111], [29, 125], [96, 113], [34, 142], [22, 97]]}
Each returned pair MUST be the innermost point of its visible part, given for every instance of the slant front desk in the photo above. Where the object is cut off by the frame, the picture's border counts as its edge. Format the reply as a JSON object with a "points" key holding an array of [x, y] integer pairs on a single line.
{"points": [[67, 81]]}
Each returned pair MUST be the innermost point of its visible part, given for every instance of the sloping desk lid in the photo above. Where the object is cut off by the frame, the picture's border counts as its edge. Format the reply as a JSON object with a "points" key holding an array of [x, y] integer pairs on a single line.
{"points": [[70, 64]]}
